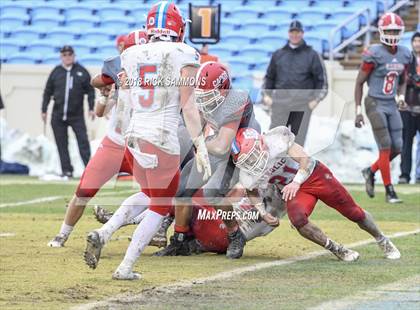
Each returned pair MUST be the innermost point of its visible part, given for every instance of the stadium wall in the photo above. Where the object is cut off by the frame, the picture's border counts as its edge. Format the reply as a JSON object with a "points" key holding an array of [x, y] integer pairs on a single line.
{"points": [[22, 88]]}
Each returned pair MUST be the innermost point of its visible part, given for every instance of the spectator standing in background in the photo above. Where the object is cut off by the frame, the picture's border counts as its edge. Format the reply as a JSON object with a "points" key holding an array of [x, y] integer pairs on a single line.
{"points": [[294, 84], [68, 83], [411, 116]]}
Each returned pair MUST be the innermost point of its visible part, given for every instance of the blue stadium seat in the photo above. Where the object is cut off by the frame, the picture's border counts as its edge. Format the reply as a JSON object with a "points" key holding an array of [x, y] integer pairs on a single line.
{"points": [[40, 48], [244, 13], [13, 20], [254, 52], [92, 60], [228, 25], [111, 11], [272, 40], [51, 59], [276, 15], [116, 22], [108, 49], [78, 11], [329, 4], [408, 35], [45, 11], [13, 8], [221, 52], [47, 22], [88, 22], [81, 49], [254, 29], [316, 43], [238, 67], [23, 58], [340, 15], [359, 4], [60, 36], [261, 65], [7, 49], [243, 82], [224, 45], [96, 36], [233, 38], [228, 6], [27, 35], [293, 5], [310, 15], [139, 13]]}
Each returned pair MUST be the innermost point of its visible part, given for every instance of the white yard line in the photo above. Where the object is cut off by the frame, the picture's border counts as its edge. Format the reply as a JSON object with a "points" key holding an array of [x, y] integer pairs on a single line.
{"points": [[52, 198], [8, 234], [170, 288], [383, 297]]}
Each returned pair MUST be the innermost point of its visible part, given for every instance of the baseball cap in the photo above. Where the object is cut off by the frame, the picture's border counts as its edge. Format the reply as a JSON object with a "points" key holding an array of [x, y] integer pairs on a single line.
{"points": [[296, 25], [67, 48]]}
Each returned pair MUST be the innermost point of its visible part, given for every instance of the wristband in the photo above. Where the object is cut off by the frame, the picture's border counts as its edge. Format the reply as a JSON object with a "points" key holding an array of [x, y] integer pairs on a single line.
{"points": [[261, 208], [301, 176], [358, 109]]}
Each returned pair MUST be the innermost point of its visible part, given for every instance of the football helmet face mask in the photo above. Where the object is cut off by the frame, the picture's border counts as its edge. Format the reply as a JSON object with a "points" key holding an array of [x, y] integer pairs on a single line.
{"points": [[136, 37], [164, 21], [213, 83], [249, 151], [391, 29]]}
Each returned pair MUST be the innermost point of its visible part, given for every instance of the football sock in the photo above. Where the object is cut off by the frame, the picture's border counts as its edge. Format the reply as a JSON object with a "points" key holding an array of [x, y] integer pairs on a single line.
{"points": [[182, 229], [131, 208], [141, 237], [66, 230], [383, 164]]}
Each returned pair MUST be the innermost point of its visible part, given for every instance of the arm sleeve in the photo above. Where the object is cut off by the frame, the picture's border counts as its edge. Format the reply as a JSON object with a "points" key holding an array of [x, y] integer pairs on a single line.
{"points": [[320, 75], [48, 92], [90, 91], [270, 75]]}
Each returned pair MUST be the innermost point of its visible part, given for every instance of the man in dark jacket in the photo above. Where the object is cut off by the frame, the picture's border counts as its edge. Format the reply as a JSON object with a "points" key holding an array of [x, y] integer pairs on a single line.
{"points": [[67, 84], [295, 83], [411, 117]]}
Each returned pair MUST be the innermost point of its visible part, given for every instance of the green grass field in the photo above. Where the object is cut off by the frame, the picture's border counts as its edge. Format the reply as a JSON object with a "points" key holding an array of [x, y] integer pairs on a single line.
{"points": [[35, 276]]}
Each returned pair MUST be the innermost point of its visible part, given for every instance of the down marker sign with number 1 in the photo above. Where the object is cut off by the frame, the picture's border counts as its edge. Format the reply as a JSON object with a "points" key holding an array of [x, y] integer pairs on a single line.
{"points": [[205, 24]]}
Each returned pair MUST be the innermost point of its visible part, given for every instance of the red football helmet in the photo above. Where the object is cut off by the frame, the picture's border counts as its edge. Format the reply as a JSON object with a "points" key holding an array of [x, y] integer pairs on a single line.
{"points": [[165, 21], [249, 151], [391, 29], [213, 83], [136, 37]]}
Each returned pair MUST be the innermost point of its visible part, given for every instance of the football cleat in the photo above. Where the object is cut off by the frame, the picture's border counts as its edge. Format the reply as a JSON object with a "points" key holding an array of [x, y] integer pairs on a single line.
{"points": [[125, 273], [58, 241], [159, 239], [390, 250], [236, 246], [93, 249], [344, 254], [369, 177], [391, 195], [178, 246], [102, 215]]}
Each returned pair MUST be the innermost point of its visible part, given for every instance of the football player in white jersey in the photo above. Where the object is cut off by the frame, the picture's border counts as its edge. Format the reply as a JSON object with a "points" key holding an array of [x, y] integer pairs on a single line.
{"points": [[158, 80], [274, 158]]}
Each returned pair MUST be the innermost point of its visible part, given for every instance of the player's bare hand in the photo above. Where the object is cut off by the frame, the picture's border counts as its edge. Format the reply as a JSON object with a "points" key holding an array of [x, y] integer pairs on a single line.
{"points": [[92, 115], [290, 190], [106, 90], [271, 220], [359, 121], [44, 117]]}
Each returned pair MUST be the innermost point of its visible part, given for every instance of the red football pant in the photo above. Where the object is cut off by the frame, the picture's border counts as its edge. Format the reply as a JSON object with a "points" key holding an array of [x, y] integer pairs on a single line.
{"points": [[159, 183], [324, 186], [109, 159]]}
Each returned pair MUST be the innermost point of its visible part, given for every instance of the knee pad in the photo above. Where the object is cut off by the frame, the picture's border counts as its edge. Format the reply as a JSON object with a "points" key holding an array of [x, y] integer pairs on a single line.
{"points": [[297, 217]]}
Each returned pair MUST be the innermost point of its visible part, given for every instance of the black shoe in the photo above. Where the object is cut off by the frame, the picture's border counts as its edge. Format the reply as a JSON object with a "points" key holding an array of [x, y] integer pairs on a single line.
{"points": [[391, 195], [178, 245], [236, 246], [369, 177], [403, 180]]}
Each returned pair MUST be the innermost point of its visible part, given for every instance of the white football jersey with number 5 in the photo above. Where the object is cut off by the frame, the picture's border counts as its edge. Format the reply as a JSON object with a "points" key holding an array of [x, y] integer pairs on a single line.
{"points": [[154, 75]]}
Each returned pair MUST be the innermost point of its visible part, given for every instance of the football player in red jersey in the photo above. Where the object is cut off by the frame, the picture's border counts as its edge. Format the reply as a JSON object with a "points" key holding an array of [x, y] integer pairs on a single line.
{"points": [[274, 158], [111, 156], [224, 110], [384, 68]]}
